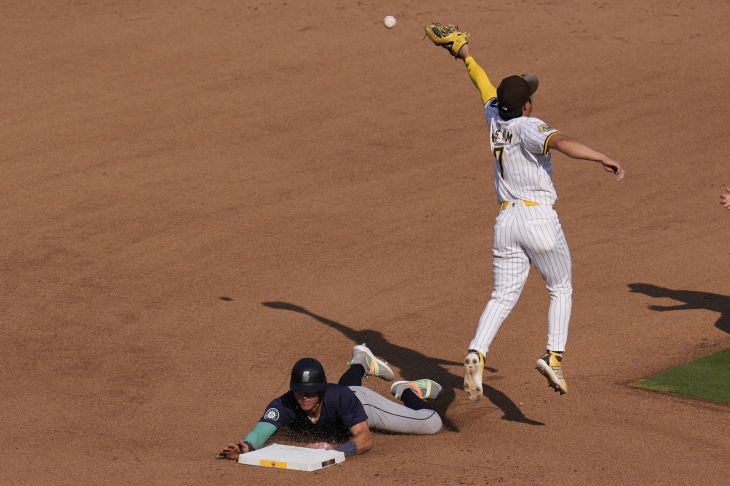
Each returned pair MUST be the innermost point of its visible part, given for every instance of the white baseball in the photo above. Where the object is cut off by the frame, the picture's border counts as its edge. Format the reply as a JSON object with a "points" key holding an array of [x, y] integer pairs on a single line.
{"points": [[389, 21]]}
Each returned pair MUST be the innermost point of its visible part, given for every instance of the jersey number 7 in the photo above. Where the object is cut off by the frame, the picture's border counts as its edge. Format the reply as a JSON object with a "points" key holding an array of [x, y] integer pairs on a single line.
{"points": [[498, 154]]}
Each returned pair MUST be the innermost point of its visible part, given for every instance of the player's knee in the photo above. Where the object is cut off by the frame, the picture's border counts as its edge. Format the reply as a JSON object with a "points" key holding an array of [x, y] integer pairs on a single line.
{"points": [[434, 424], [564, 289], [505, 298]]}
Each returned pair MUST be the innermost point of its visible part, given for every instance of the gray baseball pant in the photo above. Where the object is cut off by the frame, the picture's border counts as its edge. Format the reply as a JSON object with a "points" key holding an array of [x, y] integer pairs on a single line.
{"points": [[387, 415]]}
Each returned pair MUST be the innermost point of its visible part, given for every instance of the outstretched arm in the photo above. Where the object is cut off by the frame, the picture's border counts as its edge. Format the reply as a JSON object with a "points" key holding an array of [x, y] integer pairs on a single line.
{"points": [[477, 75], [577, 150], [254, 440], [454, 41]]}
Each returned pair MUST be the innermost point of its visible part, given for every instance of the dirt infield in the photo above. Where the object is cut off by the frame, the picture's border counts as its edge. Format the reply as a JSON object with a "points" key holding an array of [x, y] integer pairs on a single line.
{"points": [[196, 194]]}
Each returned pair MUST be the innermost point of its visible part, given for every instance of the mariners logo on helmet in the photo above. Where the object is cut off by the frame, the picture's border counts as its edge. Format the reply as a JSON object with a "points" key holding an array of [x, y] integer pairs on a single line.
{"points": [[272, 414], [307, 376]]}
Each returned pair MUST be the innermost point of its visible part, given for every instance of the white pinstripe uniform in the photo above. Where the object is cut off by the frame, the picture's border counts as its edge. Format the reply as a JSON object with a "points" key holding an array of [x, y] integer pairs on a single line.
{"points": [[527, 229]]}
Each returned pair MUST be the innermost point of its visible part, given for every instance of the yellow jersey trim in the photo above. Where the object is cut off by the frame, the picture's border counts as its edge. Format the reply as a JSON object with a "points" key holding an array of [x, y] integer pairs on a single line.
{"points": [[546, 149]]}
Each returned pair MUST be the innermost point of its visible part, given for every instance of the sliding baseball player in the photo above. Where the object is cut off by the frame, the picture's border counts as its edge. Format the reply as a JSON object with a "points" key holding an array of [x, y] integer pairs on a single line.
{"points": [[340, 416]]}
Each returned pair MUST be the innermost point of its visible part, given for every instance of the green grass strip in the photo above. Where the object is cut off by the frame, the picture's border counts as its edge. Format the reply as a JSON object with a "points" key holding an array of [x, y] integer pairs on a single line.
{"points": [[707, 378]]}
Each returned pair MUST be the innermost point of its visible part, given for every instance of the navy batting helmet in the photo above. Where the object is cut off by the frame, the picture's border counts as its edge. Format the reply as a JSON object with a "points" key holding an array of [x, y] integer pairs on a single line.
{"points": [[307, 376]]}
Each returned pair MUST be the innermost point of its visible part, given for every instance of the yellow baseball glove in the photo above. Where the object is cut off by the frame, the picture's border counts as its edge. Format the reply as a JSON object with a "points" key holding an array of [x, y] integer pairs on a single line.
{"points": [[447, 36]]}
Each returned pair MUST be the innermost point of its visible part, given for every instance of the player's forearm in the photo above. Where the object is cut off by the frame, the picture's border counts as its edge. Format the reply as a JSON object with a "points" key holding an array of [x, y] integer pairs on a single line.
{"points": [[479, 78], [260, 434], [363, 441], [573, 148]]}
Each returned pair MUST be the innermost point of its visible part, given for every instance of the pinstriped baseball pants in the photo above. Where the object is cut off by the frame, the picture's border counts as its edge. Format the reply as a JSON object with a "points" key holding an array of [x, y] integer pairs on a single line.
{"points": [[524, 235]]}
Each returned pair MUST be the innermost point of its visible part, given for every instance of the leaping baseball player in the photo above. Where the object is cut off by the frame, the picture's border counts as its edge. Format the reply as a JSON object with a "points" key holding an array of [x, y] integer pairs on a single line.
{"points": [[344, 412], [527, 229]]}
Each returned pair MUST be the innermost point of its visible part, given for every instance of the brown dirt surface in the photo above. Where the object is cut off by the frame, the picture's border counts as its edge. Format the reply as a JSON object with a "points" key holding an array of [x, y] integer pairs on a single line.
{"points": [[195, 194]]}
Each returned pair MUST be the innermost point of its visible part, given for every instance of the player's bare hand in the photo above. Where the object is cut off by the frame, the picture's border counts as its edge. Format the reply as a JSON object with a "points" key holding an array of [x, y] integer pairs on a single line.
{"points": [[233, 451], [320, 445], [725, 198], [610, 165]]}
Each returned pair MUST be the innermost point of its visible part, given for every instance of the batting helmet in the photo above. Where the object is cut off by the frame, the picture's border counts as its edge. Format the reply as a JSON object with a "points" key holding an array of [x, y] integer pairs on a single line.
{"points": [[307, 376]]}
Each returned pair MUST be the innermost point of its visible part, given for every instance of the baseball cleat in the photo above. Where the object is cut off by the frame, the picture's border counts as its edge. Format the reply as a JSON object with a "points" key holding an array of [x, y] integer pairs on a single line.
{"points": [[426, 389], [551, 368], [361, 354], [473, 370]]}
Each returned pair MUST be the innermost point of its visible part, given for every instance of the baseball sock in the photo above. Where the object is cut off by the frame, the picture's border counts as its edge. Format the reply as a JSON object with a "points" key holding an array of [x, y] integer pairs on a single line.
{"points": [[411, 400], [353, 376]]}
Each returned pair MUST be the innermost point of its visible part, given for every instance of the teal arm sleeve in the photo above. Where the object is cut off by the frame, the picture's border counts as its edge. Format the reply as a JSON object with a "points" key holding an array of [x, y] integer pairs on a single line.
{"points": [[260, 434]]}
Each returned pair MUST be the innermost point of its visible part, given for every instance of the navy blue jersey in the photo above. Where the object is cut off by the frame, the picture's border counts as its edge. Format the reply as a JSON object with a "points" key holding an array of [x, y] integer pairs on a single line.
{"points": [[341, 410]]}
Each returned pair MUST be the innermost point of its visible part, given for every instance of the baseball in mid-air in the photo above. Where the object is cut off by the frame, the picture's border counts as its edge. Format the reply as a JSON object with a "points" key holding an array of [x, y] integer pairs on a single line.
{"points": [[389, 21]]}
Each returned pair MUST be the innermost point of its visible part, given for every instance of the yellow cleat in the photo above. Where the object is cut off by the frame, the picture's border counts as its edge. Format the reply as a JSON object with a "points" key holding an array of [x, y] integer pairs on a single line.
{"points": [[551, 367]]}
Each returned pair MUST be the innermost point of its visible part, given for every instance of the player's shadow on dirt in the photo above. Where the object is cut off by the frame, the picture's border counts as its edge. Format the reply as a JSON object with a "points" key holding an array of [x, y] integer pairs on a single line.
{"points": [[692, 300], [415, 365]]}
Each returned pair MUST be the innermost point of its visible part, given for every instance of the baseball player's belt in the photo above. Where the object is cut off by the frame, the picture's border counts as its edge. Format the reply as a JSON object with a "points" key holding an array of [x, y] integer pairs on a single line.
{"points": [[506, 204]]}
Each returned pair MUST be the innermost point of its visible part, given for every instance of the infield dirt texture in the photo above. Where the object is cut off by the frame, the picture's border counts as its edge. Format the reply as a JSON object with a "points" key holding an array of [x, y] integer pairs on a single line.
{"points": [[197, 194]]}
